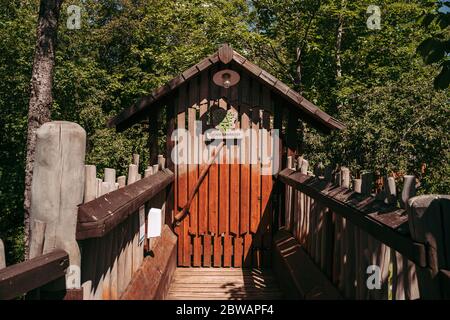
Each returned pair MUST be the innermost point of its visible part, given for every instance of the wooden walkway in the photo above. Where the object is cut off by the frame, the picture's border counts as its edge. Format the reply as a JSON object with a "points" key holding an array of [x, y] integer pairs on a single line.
{"points": [[223, 284]]}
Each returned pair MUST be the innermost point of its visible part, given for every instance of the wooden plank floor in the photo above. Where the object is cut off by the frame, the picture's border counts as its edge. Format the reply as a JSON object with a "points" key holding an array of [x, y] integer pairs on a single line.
{"points": [[223, 284]]}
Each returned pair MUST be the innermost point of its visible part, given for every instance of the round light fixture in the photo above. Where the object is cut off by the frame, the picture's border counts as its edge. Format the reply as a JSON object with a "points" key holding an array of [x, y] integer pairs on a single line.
{"points": [[226, 78]]}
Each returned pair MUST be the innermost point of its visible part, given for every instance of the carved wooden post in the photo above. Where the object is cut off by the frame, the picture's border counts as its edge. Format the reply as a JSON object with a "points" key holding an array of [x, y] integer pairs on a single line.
{"points": [[110, 178], [90, 184], [345, 177], [289, 196], [357, 185], [161, 162], [365, 240], [347, 244], [391, 191], [366, 182], [57, 190], [37, 238], [89, 251], [148, 172], [429, 223], [409, 190], [132, 173], [2, 255], [121, 181]]}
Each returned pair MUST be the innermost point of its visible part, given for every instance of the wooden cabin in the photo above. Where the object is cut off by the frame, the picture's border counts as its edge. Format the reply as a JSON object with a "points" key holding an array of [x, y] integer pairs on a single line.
{"points": [[232, 204], [230, 219]]}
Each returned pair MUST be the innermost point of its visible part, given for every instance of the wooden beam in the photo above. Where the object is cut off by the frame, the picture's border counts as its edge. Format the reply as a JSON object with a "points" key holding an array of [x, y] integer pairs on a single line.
{"points": [[2, 255], [20, 278], [149, 282], [358, 209], [225, 54], [96, 218], [297, 274]]}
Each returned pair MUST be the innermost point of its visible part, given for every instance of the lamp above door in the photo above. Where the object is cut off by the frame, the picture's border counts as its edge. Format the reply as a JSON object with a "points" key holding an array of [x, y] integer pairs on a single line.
{"points": [[226, 78]]}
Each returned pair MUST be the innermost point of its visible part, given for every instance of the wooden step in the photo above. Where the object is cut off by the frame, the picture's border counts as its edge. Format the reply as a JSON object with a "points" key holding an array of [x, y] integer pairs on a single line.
{"points": [[223, 284]]}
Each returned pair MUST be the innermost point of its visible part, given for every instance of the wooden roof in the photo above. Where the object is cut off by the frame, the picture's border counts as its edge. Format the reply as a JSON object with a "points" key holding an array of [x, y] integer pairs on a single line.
{"points": [[225, 55]]}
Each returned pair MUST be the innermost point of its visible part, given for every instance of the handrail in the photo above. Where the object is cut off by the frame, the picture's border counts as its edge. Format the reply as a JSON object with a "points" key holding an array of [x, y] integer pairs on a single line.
{"points": [[21, 278], [97, 217], [362, 211], [185, 210]]}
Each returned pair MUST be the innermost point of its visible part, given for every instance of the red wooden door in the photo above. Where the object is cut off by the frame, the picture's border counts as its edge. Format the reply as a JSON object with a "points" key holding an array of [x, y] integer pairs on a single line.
{"points": [[230, 219]]}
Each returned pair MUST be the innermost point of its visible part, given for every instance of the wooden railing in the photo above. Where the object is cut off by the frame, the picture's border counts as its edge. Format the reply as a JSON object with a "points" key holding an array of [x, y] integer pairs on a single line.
{"points": [[346, 232], [19, 279], [111, 232], [88, 235]]}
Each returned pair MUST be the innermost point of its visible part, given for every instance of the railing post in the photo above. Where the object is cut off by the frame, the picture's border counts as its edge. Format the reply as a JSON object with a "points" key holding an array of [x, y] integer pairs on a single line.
{"points": [[390, 190], [429, 223], [288, 197], [57, 190], [409, 190], [2, 255]]}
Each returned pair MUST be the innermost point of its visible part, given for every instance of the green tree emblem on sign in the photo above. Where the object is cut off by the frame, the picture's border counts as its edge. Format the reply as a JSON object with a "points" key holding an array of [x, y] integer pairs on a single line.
{"points": [[228, 121]]}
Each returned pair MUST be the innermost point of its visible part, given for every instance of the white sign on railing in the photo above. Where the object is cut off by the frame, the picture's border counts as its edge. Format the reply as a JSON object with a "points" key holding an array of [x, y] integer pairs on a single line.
{"points": [[154, 223]]}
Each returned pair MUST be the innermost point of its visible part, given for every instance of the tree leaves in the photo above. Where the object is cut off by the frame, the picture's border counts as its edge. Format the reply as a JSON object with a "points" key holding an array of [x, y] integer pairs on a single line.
{"points": [[442, 81], [432, 50], [436, 48]]}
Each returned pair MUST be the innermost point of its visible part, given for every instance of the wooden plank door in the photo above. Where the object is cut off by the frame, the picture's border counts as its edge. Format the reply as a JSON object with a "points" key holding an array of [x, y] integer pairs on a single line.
{"points": [[230, 219]]}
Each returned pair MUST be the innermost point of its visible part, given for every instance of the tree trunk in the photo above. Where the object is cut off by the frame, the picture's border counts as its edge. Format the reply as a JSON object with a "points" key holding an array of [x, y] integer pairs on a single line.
{"points": [[298, 69], [339, 34], [41, 93], [338, 47]]}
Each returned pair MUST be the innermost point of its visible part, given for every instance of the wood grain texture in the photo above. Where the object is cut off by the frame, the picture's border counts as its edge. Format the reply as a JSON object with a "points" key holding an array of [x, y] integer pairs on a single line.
{"points": [[245, 191], [238, 252], [356, 209], [255, 214], [20, 278], [197, 243], [223, 284], [213, 200], [203, 192], [227, 250], [224, 181], [234, 191], [98, 217], [217, 262], [207, 250], [193, 155]]}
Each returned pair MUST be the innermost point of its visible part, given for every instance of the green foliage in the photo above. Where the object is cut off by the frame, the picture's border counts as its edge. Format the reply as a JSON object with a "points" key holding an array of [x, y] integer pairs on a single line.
{"points": [[396, 122], [436, 48], [17, 31]]}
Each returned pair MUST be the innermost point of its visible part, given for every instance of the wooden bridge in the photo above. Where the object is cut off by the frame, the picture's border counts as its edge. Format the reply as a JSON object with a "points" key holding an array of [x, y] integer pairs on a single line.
{"points": [[245, 218]]}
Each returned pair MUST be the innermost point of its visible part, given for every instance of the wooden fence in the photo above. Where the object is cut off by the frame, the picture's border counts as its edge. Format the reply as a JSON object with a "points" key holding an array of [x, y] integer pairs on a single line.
{"points": [[346, 230], [18, 279], [88, 235], [112, 228]]}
